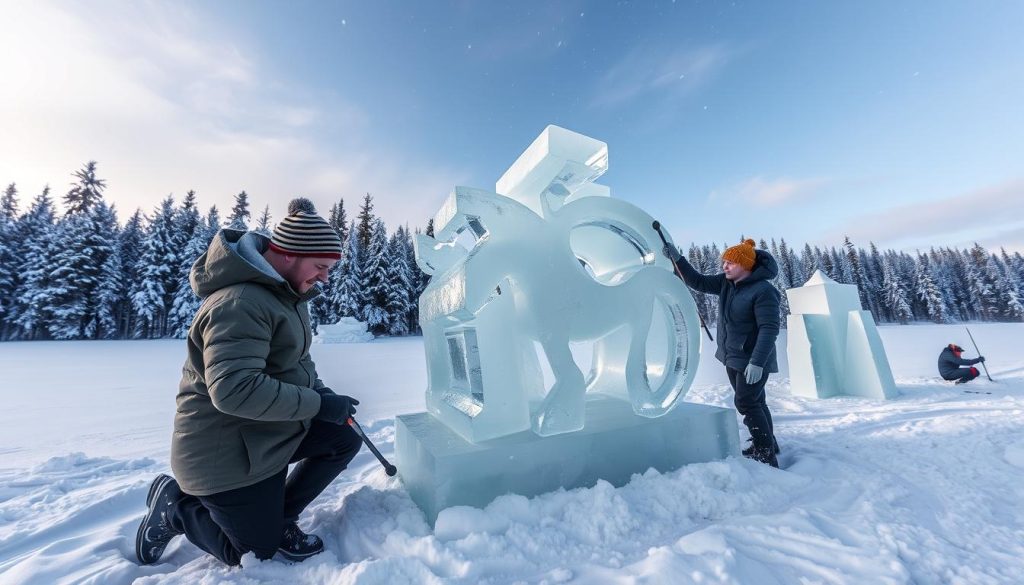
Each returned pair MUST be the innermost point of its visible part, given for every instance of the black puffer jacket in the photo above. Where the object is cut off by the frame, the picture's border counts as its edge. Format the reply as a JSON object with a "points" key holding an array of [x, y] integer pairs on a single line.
{"points": [[949, 363], [748, 313]]}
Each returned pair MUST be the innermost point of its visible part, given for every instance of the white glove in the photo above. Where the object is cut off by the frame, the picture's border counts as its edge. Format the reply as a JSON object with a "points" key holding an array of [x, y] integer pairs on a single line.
{"points": [[753, 374]]}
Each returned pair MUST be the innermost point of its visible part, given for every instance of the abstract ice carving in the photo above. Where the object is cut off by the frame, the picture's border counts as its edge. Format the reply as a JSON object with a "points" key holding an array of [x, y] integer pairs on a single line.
{"points": [[833, 345], [523, 276]]}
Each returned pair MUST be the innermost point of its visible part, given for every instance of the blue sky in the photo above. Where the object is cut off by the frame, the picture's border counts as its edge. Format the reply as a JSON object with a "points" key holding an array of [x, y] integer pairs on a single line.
{"points": [[898, 122]]}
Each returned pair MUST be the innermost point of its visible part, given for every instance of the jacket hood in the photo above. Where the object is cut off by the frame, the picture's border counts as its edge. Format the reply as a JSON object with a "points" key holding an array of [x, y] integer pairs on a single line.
{"points": [[236, 257], [765, 267]]}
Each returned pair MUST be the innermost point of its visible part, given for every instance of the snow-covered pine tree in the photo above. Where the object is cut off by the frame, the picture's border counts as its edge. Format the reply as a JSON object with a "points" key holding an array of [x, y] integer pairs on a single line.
{"points": [[779, 282], [852, 267], [240, 214], [9, 204], [349, 292], [263, 225], [960, 281], [399, 285], [213, 222], [188, 236], [870, 286], [185, 302], [186, 221], [940, 274], [895, 294], [32, 303], [837, 265], [809, 260], [8, 257], [101, 309], [825, 261], [1006, 287], [375, 281], [415, 278], [326, 308], [1014, 272], [798, 276], [85, 192], [129, 243], [339, 219], [981, 283], [152, 295], [712, 265], [927, 292], [84, 240], [787, 271], [366, 221], [696, 257]]}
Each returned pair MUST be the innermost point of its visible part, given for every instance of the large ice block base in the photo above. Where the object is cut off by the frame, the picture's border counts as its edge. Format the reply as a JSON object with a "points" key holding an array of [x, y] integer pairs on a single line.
{"points": [[441, 469]]}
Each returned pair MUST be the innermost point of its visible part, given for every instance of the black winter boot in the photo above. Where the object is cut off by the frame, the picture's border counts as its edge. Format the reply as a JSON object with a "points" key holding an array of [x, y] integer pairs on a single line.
{"points": [[298, 546], [765, 455], [749, 451], [155, 531]]}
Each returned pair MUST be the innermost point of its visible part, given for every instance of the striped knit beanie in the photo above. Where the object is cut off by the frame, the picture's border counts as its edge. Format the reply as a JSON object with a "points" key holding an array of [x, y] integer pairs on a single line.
{"points": [[304, 233], [742, 254]]}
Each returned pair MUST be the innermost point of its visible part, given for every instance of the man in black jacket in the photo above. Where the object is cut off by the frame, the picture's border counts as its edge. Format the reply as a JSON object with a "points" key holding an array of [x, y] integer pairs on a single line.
{"points": [[748, 324], [950, 362]]}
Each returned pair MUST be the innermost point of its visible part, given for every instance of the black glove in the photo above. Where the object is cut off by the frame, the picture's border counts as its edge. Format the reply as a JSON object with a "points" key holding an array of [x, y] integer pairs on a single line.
{"points": [[335, 408], [325, 391], [981, 359], [671, 252]]}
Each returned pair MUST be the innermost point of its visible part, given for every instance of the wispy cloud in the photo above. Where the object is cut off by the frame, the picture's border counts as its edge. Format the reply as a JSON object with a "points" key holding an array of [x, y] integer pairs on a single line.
{"points": [[765, 192], [166, 103], [984, 214], [660, 69]]}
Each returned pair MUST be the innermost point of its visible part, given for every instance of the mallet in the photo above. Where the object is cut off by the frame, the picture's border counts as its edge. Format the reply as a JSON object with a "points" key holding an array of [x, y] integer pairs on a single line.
{"points": [[388, 468]]}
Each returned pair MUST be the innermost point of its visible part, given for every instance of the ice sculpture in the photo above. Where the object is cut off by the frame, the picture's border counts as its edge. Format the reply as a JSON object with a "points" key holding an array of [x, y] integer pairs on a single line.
{"points": [[833, 345], [559, 343], [552, 260]]}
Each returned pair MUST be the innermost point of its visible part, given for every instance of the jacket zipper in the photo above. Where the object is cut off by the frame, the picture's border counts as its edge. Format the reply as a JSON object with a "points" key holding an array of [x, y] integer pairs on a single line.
{"points": [[305, 343]]}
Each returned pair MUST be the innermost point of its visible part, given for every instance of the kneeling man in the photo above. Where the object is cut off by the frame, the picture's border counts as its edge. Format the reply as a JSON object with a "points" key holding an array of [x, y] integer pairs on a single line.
{"points": [[250, 401]]}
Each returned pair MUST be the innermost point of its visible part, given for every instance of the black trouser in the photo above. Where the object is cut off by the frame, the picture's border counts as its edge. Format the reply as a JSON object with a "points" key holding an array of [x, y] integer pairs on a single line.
{"points": [[750, 402], [962, 375], [232, 523]]}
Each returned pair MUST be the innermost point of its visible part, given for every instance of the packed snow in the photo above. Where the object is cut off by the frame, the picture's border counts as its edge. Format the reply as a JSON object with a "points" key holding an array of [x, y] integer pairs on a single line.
{"points": [[346, 330], [924, 488]]}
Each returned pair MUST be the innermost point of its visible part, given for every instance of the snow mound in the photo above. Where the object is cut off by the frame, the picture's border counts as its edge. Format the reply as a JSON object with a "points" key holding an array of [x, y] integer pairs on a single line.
{"points": [[346, 330]]}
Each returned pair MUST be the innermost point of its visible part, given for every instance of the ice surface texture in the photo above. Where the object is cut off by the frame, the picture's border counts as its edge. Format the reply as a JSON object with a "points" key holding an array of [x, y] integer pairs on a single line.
{"points": [[833, 345], [523, 274], [441, 469]]}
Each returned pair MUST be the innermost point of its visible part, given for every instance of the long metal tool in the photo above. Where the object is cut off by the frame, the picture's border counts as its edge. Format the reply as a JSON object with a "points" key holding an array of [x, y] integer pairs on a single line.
{"points": [[388, 468], [657, 227], [977, 351]]}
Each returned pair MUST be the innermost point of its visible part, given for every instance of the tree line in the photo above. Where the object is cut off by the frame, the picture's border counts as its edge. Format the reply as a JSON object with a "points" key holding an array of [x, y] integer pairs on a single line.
{"points": [[942, 285], [82, 274]]}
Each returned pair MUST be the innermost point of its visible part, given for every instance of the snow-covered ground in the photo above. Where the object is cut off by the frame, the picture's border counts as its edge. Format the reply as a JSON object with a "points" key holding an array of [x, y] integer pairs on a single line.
{"points": [[927, 488]]}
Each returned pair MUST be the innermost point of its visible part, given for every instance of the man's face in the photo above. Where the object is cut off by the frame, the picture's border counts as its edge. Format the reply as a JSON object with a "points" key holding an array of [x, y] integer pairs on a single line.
{"points": [[303, 272], [733, 271]]}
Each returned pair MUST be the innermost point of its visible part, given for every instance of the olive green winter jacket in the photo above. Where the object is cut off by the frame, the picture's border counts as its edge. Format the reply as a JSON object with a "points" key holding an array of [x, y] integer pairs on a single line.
{"points": [[247, 388]]}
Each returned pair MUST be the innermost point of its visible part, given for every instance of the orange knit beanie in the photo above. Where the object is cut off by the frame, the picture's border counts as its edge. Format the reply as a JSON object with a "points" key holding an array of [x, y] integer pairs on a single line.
{"points": [[742, 254]]}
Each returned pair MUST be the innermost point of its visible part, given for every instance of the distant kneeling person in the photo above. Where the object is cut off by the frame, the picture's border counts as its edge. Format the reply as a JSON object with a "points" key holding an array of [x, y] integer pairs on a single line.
{"points": [[950, 362], [250, 401]]}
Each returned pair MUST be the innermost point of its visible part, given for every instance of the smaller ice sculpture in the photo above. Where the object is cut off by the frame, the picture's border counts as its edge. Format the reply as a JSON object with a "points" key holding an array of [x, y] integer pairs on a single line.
{"points": [[833, 345]]}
